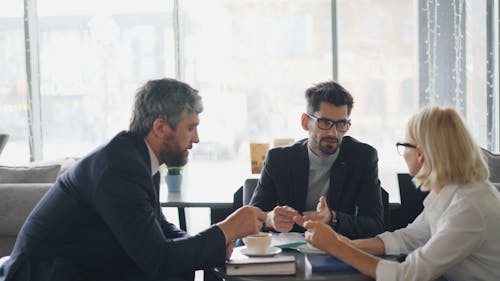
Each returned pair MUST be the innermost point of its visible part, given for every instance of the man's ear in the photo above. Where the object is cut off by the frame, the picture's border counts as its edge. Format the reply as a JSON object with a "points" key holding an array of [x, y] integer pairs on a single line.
{"points": [[161, 128], [304, 121]]}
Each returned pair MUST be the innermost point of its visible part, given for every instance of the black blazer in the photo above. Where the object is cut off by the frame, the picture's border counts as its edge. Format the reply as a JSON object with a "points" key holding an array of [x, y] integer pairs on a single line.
{"points": [[102, 221], [354, 192]]}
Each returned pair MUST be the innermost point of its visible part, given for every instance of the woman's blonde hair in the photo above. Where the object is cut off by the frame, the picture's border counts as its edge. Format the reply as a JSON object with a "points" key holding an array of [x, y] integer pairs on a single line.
{"points": [[451, 156]]}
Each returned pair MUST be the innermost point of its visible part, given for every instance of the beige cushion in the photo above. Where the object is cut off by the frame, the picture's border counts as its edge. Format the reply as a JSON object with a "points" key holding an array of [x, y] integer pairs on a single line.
{"points": [[66, 163], [17, 201], [29, 174], [6, 245]]}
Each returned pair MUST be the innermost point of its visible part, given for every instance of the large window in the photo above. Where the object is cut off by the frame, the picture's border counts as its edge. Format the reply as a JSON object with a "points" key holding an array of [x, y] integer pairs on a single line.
{"points": [[378, 63], [251, 61], [13, 89], [93, 56], [419, 53]]}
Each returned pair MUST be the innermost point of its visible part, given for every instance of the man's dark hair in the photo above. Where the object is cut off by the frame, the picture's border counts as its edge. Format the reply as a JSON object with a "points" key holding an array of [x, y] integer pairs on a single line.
{"points": [[330, 92], [164, 98]]}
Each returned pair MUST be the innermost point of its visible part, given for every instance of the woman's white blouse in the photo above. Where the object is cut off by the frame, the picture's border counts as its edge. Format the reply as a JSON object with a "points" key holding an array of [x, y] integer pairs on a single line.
{"points": [[456, 235]]}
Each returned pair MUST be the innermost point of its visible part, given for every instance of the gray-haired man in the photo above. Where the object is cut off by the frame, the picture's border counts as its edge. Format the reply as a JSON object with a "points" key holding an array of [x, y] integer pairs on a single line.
{"points": [[102, 219]]}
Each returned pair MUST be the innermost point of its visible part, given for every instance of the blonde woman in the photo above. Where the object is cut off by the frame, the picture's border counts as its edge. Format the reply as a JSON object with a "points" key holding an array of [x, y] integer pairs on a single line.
{"points": [[457, 234]]}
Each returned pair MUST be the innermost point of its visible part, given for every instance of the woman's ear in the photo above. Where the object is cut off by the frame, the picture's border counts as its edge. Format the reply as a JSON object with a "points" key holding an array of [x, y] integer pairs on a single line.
{"points": [[420, 156], [305, 122]]}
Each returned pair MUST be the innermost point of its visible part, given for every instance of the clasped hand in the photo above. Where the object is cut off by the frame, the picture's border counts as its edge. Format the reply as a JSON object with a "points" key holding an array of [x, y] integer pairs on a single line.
{"points": [[282, 218]]}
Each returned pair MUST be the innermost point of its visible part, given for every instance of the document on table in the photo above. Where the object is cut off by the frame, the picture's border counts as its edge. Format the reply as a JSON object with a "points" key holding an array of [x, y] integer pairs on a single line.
{"points": [[288, 240]]}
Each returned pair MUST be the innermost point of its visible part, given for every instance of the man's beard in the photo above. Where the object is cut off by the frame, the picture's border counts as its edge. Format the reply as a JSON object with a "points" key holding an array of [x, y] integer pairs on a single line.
{"points": [[174, 158], [329, 149]]}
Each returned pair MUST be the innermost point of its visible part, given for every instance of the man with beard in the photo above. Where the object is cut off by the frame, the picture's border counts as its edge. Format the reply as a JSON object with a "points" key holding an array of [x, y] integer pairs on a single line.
{"points": [[327, 177], [102, 219]]}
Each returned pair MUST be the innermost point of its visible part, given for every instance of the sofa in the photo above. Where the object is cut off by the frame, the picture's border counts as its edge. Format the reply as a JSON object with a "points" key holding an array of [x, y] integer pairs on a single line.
{"points": [[20, 190]]}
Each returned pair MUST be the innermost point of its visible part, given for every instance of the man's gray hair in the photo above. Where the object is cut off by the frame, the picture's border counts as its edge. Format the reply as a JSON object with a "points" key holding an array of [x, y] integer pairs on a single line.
{"points": [[166, 98]]}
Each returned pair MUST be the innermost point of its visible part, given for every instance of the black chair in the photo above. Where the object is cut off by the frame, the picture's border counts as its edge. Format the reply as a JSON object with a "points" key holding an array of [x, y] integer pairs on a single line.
{"points": [[493, 161], [411, 203], [389, 209], [385, 204], [248, 189], [3, 141], [238, 198], [219, 214], [241, 197]]}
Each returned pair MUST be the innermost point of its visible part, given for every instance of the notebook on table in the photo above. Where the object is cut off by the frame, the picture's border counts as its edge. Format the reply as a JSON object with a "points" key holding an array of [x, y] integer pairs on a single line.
{"points": [[326, 263]]}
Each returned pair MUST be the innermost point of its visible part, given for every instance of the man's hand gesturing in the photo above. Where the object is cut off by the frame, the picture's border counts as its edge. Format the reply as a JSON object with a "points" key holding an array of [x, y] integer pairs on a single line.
{"points": [[245, 221], [281, 218]]}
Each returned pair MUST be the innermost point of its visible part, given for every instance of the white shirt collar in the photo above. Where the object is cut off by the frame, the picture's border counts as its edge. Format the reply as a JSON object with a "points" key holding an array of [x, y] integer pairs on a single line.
{"points": [[439, 202], [155, 164]]}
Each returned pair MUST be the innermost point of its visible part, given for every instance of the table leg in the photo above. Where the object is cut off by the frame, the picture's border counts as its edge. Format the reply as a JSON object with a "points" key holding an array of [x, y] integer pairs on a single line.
{"points": [[182, 218]]}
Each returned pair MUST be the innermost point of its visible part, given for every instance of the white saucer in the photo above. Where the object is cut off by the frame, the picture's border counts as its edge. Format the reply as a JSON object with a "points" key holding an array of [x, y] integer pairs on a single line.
{"points": [[271, 251], [306, 249]]}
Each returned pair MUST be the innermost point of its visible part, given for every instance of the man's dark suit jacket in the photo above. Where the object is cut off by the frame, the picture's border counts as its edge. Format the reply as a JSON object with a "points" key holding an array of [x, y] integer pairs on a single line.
{"points": [[354, 192], [102, 221]]}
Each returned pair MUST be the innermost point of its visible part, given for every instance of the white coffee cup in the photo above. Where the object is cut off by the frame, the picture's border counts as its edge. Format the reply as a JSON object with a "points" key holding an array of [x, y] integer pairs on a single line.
{"points": [[259, 243]]}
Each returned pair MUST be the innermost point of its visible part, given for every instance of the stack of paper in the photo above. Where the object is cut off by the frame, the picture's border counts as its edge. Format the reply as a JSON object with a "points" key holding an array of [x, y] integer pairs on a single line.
{"points": [[288, 240], [280, 265]]}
